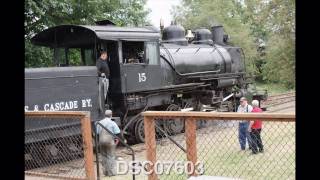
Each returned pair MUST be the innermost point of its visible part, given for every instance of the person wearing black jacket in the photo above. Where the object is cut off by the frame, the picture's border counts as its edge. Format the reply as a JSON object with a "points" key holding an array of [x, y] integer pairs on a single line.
{"points": [[102, 65], [103, 72]]}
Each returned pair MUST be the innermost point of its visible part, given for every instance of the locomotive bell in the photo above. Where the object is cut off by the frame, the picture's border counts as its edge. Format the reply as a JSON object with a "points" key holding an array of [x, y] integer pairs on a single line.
{"points": [[189, 35]]}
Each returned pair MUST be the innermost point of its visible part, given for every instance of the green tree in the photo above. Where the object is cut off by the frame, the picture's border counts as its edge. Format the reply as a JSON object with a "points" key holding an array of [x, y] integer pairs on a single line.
{"points": [[247, 21], [41, 14], [205, 13], [274, 21], [37, 56], [280, 65]]}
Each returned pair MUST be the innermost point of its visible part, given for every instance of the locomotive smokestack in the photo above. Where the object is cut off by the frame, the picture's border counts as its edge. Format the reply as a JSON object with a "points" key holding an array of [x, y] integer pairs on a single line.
{"points": [[217, 34]]}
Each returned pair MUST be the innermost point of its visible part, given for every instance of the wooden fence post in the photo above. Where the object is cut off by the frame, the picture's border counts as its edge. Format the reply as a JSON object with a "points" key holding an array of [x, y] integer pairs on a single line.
{"points": [[150, 142], [190, 133], [87, 146]]}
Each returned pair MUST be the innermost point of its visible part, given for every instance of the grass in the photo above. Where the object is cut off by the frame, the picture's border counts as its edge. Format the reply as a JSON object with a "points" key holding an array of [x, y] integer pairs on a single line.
{"points": [[273, 88], [277, 162], [219, 152], [218, 149]]}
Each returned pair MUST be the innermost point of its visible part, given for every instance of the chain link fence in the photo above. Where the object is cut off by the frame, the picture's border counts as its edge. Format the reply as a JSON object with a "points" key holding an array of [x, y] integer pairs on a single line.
{"points": [[218, 148], [170, 147], [58, 144], [212, 145]]}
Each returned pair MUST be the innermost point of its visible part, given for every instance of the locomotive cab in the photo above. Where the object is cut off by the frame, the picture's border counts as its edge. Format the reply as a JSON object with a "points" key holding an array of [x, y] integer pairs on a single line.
{"points": [[133, 59], [140, 67]]}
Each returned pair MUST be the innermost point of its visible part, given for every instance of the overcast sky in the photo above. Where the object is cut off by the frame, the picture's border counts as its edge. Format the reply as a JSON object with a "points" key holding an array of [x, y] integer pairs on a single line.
{"points": [[161, 8]]}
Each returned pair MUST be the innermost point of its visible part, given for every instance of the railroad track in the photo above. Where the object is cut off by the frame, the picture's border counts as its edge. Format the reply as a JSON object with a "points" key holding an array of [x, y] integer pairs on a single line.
{"points": [[276, 99], [282, 95], [282, 108], [280, 102]]}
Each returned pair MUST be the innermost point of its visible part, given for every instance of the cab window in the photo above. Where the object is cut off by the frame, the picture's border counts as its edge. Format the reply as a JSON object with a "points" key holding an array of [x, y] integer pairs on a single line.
{"points": [[88, 57], [60, 58], [152, 54], [133, 52], [140, 52], [73, 57]]}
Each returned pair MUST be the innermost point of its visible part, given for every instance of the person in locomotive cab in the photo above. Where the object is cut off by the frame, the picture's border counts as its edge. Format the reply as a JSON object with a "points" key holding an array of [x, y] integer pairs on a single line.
{"points": [[141, 56], [103, 71], [108, 143], [244, 134]]}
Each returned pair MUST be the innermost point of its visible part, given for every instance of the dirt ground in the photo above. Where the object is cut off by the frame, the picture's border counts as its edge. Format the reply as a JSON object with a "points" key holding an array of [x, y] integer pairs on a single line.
{"points": [[217, 147]]}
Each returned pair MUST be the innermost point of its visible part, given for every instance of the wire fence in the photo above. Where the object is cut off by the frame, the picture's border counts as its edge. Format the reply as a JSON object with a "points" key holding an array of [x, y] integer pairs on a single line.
{"points": [[59, 144], [218, 148], [170, 147], [178, 145], [209, 146]]}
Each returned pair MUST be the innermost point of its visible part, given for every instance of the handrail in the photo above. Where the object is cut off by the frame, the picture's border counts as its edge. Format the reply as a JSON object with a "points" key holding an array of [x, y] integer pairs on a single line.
{"points": [[223, 115]]}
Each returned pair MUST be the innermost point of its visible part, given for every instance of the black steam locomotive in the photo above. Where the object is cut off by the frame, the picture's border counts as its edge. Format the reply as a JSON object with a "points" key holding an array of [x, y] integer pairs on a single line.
{"points": [[149, 71]]}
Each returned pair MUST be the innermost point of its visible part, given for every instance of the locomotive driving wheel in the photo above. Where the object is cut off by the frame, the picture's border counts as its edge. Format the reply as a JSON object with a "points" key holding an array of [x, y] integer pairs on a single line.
{"points": [[176, 125], [139, 130]]}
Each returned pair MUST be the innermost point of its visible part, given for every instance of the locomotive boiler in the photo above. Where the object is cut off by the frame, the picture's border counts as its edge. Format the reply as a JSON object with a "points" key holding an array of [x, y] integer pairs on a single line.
{"points": [[148, 71]]}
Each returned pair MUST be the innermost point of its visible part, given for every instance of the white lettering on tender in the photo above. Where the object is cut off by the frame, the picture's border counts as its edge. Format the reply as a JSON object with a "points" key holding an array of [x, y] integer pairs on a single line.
{"points": [[36, 108], [84, 103], [46, 107], [60, 106], [89, 102], [75, 104], [66, 107], [51, 107]]}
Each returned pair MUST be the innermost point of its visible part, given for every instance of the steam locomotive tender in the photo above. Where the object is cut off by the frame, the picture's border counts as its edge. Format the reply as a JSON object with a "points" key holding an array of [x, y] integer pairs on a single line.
{"points": [[149, 71]]}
